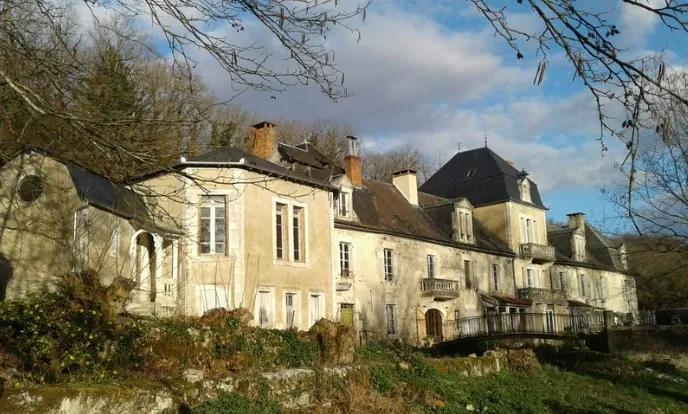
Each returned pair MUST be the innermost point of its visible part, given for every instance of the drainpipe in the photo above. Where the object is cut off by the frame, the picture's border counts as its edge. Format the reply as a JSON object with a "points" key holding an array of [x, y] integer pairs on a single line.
{"points": [[513, 273], [184, 161]]}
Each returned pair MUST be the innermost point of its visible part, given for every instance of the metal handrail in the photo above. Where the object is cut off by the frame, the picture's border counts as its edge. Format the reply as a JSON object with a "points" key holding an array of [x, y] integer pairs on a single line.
{"points": [[524, 323]]}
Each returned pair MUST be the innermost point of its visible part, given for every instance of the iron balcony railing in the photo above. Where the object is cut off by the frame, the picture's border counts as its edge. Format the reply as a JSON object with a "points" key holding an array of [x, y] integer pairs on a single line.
{"points": [[541, 294], [524, 323], [441, 289], [538, 251]]}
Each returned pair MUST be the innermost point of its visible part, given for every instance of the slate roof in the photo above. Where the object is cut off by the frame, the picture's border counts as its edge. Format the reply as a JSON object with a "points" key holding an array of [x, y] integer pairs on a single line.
{"points": [[493, 179], [103, 193], [600, 250], [315, 163], [381, 207], [232, 155]]}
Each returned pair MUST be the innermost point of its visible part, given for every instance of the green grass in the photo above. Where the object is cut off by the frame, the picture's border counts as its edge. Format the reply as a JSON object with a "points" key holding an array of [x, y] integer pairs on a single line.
{"points": [[580, 384]]}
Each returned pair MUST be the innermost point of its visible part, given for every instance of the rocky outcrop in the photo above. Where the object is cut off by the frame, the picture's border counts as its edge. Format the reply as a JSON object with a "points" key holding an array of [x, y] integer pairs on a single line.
{"points": [[336, 341]]}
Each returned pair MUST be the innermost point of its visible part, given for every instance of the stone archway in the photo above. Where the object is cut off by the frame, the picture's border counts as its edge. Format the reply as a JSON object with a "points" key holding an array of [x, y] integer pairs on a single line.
{"points": [[145, 264], [433, 324]]}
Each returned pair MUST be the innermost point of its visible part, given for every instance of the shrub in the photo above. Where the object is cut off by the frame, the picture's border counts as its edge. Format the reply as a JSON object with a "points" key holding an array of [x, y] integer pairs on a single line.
{"points": [[53, 337], [234, 404]]}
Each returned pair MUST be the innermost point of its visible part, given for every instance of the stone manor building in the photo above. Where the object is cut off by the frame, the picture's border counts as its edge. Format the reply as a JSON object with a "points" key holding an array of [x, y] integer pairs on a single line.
{"points": [[292, 236]]}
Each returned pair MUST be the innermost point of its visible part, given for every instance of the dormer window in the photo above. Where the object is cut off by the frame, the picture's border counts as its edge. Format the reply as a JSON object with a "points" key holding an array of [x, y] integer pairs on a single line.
{"points": [[525, 190], [579, 247], [343, 204], [471, 172], [463, 222]]}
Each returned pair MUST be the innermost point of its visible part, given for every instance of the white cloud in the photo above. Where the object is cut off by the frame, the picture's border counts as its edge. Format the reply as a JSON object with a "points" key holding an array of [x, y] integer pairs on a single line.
{"points": [[636, 23]]}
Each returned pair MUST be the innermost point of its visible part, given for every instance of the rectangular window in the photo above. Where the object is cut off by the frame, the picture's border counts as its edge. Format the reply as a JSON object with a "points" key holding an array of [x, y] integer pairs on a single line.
{"points": [[280, 230], [529, 231], [264, 308], [530, 278], [345, 259], [389, 270], [495, 277], [315, 308], [290, 302], [467, 274], [431, 266], [391, 325], [581, 286], [342, 204], [603, 287], [297, 228], [562, 280], [213, 225]]}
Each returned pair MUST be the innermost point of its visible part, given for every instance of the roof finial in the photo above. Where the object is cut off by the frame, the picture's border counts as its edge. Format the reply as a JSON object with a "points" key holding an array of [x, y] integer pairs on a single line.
{"points": [[486, 138], [458, 145]]}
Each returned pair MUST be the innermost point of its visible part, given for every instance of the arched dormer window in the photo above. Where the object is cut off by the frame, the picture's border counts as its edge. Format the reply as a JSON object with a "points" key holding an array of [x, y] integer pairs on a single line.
{"points": [[525, 190]]}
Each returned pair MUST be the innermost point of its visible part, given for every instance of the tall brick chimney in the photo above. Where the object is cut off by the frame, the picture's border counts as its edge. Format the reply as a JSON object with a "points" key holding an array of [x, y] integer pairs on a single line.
{"points": [[263, 139], [352, 163]]}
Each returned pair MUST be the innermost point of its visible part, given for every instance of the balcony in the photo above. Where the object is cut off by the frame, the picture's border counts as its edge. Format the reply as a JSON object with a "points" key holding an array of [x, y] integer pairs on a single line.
{"points": [[345, 282], [440, 289], [539, 295], [538, 252]]}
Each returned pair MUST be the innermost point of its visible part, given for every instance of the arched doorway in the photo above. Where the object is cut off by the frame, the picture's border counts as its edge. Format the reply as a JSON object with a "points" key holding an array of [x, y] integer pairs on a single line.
{"points": [[145, 264], [433, 324]]}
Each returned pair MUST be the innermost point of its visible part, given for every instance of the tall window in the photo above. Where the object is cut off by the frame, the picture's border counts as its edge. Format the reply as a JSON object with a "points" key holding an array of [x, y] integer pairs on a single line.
{"points": [[213, 231], [280, 230], [529, 230], [562, 280], [391, 325], [580, 247], [297, 228], [264, 308], [290, 302], [343, 204], [465, 226], [389, 270], [468, 274], [525, 190], [315, 307], [345, 259], [495, 277], [582, 285], [431, 266], [531, 278], [603, 287]]}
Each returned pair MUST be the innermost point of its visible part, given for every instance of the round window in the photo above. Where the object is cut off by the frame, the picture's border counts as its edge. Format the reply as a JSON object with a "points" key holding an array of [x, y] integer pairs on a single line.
{"points": [[30, 188]]}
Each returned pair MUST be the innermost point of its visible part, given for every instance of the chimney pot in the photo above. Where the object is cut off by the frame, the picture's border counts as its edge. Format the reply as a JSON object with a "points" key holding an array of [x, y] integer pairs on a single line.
{"points": [[576, 220], [405, 181]]}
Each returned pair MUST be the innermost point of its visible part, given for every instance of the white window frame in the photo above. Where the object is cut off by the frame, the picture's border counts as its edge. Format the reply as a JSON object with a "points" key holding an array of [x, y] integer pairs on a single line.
{"points": [[301, 242], [288, 257], [345, 256], [431, 262], [213, 205], [529, 282], [529, 229], [345, 206], [525, 191], [296, 305], [320, 303], [270, 310], [388, 264]]}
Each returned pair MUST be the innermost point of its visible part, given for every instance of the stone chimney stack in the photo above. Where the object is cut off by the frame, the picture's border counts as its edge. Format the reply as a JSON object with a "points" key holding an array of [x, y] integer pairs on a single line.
{"points": [[263, 139], [352, 163], [405, 182], [576, 220]]}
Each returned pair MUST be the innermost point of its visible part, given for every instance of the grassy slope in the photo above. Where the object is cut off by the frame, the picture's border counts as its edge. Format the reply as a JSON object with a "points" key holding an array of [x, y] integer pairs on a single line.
{"points": [[592, 384]]}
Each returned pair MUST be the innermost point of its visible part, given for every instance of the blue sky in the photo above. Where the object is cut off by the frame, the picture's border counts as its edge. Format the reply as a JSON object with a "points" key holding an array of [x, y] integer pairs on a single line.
{"points": [[431, 74]]}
